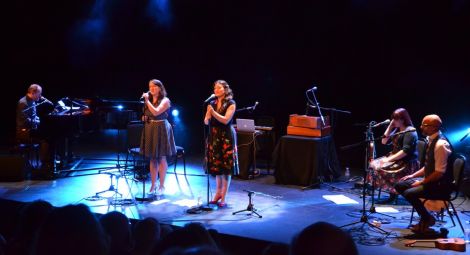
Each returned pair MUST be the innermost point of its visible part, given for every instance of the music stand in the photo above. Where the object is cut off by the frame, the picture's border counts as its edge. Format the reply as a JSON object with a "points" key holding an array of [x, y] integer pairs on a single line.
{"points": [[368, 154]]}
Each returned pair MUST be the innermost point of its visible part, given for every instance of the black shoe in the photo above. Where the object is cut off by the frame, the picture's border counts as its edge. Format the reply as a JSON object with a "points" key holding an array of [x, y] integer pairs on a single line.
{"points": [[424, 225]]}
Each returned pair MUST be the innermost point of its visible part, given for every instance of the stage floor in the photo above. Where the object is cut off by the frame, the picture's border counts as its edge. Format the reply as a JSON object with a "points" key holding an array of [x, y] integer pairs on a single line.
{"points": [[285, 210]]}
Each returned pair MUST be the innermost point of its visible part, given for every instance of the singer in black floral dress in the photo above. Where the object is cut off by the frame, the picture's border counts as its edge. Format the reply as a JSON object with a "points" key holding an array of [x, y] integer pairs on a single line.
{"points": [[221, 153]]}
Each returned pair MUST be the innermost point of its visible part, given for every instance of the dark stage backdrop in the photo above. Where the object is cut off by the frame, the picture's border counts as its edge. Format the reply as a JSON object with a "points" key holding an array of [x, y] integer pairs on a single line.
{"points": [[368, 57]]}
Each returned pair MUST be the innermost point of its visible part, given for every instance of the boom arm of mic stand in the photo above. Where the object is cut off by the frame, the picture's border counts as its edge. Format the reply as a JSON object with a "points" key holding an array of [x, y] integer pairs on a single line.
{"points": [[249, 108], [350, 146], [465, 136], [318, 107], [329, 109]]}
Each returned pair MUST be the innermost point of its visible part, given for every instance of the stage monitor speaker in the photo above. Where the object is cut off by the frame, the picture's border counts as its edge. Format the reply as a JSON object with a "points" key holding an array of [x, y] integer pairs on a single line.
{"points": [[13, 168]]}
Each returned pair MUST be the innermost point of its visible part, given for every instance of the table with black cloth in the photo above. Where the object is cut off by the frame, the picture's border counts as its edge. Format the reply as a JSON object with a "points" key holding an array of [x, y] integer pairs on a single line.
{"points": [[300, 160], [246, 144]]}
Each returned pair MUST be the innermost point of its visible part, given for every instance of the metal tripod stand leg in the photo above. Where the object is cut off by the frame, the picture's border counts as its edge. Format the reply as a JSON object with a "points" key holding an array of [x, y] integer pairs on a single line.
{"points": [[372, 207], [111, 186], [250, 207], [144, 198]]}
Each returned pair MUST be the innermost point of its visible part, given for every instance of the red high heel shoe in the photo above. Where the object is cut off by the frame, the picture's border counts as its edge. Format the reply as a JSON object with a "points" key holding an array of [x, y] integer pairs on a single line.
{"points": [[216, 201]]}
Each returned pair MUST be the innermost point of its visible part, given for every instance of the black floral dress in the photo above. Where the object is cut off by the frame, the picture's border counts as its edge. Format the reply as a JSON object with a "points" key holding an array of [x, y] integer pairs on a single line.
{"points": [[221, 150], [387, 178]]}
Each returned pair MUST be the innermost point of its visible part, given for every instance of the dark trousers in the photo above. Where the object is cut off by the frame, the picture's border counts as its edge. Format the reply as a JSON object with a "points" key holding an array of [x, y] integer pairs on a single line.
{"points": [[413, 194], [45, 146]]}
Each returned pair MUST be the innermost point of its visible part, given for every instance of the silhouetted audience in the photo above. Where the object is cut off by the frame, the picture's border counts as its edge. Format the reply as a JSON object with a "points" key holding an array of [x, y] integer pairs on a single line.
{"points": [[197, 250], [117, 226], [165, 230], [276, 249], [203, 250], [323, 238], [191, 235], [71, 230], [3, 245], [31, 217], [146, 234]]}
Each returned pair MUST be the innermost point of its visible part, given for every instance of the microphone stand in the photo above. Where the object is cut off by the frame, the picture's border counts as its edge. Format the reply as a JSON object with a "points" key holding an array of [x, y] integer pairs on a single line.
{"points": [[144, 165], [464, 137], [332, 110], [35, 105], [369, 153], [249, 108], [317, 105], [207, 207]]}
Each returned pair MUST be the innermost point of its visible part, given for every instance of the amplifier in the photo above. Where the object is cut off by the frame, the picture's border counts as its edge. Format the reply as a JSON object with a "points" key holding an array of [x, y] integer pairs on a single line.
{"points": [[312, 132], [307, 121]]}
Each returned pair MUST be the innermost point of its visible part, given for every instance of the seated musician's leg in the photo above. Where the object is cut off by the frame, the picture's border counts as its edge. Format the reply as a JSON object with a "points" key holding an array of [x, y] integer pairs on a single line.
{"points": [[46, 155], [413, 195], [387, 181]]}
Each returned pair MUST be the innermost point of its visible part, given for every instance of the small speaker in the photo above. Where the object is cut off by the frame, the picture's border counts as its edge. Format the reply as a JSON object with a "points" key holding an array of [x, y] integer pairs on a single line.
{"points": [[13, 168]]}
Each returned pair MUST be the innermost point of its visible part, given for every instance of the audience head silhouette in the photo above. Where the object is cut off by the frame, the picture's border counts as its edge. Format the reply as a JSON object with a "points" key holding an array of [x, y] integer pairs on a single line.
{"points": [[323, 238], [71, 230]]}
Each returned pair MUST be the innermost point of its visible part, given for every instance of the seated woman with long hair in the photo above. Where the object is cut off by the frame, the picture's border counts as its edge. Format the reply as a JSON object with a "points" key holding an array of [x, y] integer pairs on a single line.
{"points": [[402, 160]]}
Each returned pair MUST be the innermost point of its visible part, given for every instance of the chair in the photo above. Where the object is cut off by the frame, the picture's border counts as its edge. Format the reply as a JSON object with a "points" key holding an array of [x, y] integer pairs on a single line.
{"points": [[180, 154], [134, 132], [458, 169], [30, 152], [421, 148]]}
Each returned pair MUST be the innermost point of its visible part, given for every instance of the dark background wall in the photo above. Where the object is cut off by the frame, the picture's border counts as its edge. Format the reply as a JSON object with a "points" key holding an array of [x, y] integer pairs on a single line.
{"points": [[368, 57]]}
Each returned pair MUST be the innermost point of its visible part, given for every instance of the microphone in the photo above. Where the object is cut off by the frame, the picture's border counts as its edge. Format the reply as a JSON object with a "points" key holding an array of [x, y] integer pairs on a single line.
{"points": [[313, 88], [142, 97], [402, 132], [46, 100], [385, 122], [209, 98], [254, 106]]}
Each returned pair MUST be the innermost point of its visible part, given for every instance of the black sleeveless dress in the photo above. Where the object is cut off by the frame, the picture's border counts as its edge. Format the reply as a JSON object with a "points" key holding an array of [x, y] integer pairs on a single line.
{"points": [[221, 150], [157, 138]]}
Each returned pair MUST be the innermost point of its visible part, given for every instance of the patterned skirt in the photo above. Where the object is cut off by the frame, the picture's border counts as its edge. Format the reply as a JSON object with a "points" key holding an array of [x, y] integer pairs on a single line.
{"points": [[387, 178], [221, 151], [157, 140]]}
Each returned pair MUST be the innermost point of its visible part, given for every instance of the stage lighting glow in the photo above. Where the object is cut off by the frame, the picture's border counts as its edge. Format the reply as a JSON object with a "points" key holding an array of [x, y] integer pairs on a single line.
{"points": [[186, 202], [160, 12], [120, 107], [175, 113], [460, 135], [161, 201]]}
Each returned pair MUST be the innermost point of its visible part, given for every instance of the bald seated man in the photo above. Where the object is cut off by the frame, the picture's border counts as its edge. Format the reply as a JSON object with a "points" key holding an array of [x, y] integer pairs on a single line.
{"points": [[434, 179]]}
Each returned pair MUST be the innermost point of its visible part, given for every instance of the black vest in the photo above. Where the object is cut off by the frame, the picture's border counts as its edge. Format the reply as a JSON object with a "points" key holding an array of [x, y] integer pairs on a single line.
{"points": [[429, 165]]}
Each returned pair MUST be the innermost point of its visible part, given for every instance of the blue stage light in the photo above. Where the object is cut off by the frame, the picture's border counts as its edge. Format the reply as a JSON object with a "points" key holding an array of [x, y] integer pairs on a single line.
{"points": [[175, 113], [120, 107], [458, 135]]}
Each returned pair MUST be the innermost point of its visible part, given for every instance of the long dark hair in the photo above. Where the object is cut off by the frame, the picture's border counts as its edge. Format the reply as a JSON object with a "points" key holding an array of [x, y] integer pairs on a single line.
{"points": [[162, 93], [402, 114], [228, 91], [227, 97]]}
